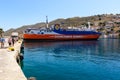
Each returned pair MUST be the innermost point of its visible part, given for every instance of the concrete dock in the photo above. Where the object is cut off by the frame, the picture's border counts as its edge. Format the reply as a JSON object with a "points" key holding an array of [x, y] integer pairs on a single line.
{"points": [[9, 68]]}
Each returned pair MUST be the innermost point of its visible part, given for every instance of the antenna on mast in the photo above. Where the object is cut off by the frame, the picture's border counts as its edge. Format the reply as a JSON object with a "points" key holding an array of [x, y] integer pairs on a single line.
{"points": [[47, 21]]}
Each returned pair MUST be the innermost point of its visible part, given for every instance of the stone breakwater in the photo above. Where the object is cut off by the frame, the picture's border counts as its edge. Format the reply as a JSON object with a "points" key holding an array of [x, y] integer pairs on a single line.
{"points": [[9, 68]]}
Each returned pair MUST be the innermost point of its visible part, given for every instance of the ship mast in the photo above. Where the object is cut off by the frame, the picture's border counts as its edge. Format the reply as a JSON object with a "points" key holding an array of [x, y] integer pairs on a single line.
{"points": [[47, 21]]}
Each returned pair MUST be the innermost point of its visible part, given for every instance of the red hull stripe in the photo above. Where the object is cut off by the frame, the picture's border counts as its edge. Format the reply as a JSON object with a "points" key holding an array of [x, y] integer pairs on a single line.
{"points": [[60, 37]]}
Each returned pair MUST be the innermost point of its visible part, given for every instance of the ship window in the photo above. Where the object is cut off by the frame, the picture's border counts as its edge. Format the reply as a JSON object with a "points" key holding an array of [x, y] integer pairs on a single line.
{"points": [[32, 32], [42, 32], [29, 30], [45, 30], [25, 31], [38, 32]]}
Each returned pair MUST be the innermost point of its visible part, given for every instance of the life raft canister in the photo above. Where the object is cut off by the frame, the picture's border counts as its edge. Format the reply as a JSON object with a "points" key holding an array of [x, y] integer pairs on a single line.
{"points": [[57, 26]]}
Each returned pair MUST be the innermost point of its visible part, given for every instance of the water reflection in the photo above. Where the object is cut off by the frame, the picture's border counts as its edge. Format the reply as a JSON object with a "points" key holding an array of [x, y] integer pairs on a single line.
{"points": [[58, 47], [73, 60], [60, 43], [99, 47], [104, 47]]}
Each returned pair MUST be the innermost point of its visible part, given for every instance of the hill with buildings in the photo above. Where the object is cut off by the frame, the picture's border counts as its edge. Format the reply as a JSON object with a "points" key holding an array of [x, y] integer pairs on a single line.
{"points": [[105, 23]]}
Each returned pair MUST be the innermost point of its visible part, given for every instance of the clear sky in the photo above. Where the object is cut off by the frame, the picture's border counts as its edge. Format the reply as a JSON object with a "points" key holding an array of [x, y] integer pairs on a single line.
{"points": [[16, 13]]}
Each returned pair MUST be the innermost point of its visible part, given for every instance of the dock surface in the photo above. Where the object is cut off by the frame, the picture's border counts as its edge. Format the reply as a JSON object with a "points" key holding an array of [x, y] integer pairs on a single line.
{"points": [[9, 68]]}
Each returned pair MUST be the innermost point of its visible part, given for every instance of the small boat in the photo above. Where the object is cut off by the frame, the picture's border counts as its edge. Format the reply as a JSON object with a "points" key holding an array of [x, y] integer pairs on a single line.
{"points": [[57, 33]]}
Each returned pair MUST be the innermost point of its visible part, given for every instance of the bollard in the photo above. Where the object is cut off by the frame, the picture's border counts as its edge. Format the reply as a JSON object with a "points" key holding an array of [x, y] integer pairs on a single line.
{"points": [[31, 78], [11, 48]]}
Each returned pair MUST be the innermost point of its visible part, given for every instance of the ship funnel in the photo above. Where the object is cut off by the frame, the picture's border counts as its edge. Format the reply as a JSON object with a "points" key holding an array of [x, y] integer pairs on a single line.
{"points": [[89, 25]]}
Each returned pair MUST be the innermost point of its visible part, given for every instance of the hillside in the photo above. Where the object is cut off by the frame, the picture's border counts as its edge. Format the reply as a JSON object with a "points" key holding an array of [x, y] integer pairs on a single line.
{"points": [[96, 20]]}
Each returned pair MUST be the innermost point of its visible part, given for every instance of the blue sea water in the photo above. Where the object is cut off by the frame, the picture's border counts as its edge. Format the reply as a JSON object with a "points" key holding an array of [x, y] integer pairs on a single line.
{"points": [[73, 60]]}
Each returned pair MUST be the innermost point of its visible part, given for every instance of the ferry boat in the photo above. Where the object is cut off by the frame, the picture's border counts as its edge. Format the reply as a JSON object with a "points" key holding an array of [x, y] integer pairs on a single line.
{"points": [[57, 33]]}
